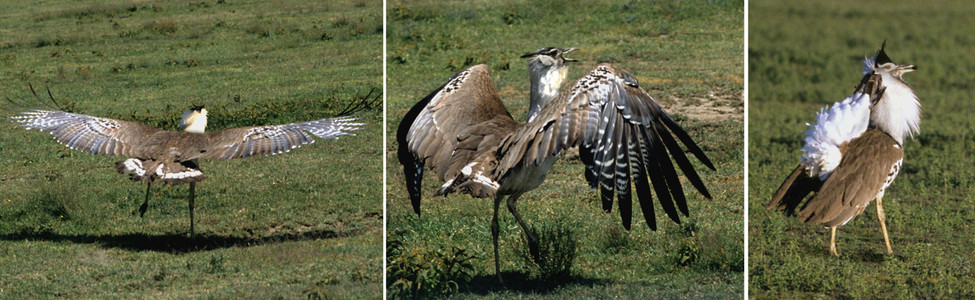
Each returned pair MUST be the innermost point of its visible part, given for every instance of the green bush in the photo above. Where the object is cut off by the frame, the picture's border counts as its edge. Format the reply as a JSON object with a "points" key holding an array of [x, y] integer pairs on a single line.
{"points": [[416, 272], [556, 251]]}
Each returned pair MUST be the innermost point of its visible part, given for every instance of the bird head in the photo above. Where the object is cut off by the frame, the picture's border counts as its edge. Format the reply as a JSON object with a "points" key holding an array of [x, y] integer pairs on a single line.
{"points": [[550, 56], [548, 69], [882, 64], [194, 120]]}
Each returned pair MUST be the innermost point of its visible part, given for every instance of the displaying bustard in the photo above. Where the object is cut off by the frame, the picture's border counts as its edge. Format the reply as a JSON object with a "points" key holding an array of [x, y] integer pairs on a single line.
{"points": [[854, 151], [465, 135], [172, 157]]}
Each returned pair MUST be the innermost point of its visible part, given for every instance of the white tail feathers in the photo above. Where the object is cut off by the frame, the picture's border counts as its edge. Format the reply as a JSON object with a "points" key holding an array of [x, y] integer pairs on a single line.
{"points": [[170, 173], [834, 126]]}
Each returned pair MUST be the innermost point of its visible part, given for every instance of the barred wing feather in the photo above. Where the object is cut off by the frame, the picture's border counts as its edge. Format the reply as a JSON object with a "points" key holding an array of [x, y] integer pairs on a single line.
{"points": [[241, 142], [624, 137]]}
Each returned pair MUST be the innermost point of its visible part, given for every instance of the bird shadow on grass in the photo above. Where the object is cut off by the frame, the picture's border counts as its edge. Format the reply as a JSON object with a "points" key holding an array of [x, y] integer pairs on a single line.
{"points": [[177, 243], [485, 284]]}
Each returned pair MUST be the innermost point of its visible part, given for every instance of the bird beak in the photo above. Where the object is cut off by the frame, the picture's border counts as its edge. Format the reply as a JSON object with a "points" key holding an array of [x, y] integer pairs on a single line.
{"points": [[567, 50], [906, 68]]}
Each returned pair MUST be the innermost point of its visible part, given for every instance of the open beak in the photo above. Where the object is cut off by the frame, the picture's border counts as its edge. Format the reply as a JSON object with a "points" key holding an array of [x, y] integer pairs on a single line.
{"points": [[906, 68], [567, 50]]}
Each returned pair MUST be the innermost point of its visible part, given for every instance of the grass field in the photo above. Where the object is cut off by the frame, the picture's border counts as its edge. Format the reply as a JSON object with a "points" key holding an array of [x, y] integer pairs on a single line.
{"points": [[805, 55], [688, 55], [303, 224]]}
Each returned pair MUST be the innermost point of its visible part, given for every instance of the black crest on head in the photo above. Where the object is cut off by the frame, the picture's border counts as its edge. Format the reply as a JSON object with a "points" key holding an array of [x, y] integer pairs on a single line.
{"points": [[197, 108], [550, 51], [553, 52], [881, 57]]}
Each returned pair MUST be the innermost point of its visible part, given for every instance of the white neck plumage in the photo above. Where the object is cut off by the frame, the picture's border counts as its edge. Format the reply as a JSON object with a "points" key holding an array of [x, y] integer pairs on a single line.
{"points": [[194, 121], [546, 80], [898, 112]]}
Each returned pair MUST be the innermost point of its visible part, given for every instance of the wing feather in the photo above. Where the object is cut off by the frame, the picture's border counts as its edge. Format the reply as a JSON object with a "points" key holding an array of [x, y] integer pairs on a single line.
{"points": [[856, 181], [249, 141], [447, 128], [624, 136], [95, 135]]}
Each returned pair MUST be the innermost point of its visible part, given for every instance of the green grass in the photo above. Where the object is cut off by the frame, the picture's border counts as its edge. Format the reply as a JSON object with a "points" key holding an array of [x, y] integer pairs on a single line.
{"points": [[680, 51], [303, 224], [805, 55]]}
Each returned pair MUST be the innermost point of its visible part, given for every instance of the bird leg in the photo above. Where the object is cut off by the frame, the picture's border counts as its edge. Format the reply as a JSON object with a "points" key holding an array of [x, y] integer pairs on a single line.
{"points": [[883, 223], [192, 198], [145, 204], [832, 242], [495, 231], [532, 238]]}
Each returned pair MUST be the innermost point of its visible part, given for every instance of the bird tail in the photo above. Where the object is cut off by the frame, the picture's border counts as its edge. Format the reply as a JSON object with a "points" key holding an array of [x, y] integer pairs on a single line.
{"points": [[472, 180], [474, 186], [795, 188], [169, 173]]}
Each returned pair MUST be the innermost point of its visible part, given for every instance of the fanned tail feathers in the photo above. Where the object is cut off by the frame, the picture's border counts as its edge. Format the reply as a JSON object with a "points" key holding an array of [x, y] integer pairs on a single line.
{"points": [[834, 126]]}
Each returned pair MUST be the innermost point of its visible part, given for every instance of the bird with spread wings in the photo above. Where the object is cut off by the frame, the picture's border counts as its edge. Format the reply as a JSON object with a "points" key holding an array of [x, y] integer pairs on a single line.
{"points": [[172, 157], [464, 134]]}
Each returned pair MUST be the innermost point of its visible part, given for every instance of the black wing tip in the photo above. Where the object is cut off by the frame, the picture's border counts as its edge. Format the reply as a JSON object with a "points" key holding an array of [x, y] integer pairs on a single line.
{"points": [[416, 204]]}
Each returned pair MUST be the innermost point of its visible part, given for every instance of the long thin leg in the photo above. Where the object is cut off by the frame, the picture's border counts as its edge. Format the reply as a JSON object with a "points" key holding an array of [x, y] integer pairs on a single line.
{"points": [[495, 231], [532, 239], [832, 243], [883, 223], [145, 204], [192, 198]]}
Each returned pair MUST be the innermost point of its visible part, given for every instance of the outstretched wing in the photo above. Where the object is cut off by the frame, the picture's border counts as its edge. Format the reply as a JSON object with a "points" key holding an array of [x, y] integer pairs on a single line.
{"points": [[241, 142], [442, 131], [623, 135], [94, 135]]}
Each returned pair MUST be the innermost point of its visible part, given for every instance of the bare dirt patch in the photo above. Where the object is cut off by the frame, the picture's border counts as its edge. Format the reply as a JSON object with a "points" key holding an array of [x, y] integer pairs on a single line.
{"points": [[711, 108]]}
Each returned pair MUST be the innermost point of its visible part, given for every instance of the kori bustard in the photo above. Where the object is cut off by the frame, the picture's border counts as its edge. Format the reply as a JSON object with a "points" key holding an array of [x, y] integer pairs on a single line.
{"points": [[855, 150], [172, 157], [465, 135]]}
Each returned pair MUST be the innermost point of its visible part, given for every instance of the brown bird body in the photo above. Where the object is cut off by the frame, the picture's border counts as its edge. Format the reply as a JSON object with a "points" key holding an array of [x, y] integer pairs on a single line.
{"points": [[869, 162]]}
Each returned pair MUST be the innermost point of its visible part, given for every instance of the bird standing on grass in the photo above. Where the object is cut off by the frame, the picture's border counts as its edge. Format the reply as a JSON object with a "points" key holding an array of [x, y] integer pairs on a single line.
{"points": [[465, 135], [172, 157], [854, 151]]}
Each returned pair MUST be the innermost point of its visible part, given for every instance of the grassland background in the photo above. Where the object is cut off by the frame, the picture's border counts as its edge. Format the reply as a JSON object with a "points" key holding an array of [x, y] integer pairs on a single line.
{"points": [[681, 51], [307, 223], [805, 55]]}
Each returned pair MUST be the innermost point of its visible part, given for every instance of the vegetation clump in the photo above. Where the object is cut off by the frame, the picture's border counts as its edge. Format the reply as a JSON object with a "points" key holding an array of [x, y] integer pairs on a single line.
{"points": [[417, 272]]}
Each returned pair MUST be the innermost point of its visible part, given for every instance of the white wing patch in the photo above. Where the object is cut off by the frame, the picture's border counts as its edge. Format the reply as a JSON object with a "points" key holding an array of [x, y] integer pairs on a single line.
{"points": [[834, 126], [134, 166], [182, 175]]}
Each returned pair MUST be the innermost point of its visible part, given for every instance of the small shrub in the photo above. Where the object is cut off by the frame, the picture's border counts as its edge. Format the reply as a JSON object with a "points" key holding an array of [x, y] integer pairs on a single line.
{"points": [[616, 240], [416, 272], [556, 252], [688, 253]]}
